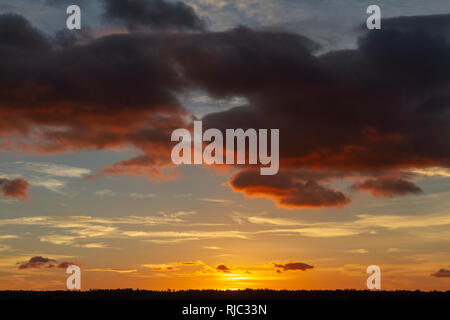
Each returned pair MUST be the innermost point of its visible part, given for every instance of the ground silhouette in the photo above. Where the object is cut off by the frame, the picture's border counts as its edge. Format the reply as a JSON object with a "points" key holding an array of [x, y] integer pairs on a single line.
{"points": [[248, 294]]}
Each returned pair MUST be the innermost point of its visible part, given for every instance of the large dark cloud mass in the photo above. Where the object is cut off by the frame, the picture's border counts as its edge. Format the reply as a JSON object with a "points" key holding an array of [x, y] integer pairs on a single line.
{"points": [[381, 108], [371, 113], [438, 24], [112, 92]]}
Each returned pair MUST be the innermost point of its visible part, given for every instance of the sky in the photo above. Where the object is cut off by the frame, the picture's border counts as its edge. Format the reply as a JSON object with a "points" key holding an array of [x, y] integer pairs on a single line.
{"points": [[86, 176]]}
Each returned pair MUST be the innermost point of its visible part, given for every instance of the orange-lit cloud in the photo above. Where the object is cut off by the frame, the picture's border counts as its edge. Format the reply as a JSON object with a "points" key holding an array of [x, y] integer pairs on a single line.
{"points": [[289, 191]]}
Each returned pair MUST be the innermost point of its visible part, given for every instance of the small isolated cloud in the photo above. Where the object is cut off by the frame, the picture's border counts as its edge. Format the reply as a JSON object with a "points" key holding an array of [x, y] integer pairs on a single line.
{"points": [[442, 273], [35, 263], [223, 268], [292, 266], [38, 262], [387, 187], [17, 188], [362, 251]]}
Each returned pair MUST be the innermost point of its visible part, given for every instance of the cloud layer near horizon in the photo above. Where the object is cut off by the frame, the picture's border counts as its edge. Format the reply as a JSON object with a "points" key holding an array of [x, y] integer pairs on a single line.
{"points": [[370, 112]]}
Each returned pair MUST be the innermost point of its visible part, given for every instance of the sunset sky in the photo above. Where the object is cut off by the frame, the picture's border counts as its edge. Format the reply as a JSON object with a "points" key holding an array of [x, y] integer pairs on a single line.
{"points": [[86, 118]]}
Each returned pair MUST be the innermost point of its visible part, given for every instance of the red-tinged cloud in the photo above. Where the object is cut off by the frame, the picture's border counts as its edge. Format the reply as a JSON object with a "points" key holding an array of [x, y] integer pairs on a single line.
{"points": [[17, 188], [387, 187], [110, 93], [38, 262], [381, 107], [223, 268], [153, 165], [292, 266], [442, 273], [288, 189]]}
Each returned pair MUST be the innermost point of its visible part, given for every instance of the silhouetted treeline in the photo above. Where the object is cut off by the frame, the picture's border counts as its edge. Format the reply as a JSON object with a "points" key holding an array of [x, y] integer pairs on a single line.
{"points": [[248, 294]]}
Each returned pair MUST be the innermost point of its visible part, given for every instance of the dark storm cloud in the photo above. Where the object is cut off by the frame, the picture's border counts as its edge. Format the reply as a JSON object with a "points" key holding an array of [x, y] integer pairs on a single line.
{"points": [[110, 92], [16, 33], [442, 273], [350, 109], [388, 187], [17, 188], [247, 62], [292, 266], [158, 14], [380, 108], [436, 24]]}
